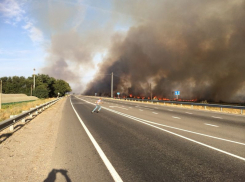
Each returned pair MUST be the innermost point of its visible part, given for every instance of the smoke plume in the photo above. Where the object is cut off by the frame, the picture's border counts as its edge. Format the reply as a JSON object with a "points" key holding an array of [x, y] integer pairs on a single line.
{"points": [[74, 38], [196, 47]]}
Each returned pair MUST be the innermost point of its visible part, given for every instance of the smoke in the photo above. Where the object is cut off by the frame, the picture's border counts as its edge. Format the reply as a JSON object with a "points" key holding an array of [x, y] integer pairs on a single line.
{"points": [[196, 47], [75, 39]]}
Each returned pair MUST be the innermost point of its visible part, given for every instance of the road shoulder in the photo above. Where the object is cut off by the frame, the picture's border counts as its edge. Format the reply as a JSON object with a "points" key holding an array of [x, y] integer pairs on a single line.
{"points": [[25, 156]]}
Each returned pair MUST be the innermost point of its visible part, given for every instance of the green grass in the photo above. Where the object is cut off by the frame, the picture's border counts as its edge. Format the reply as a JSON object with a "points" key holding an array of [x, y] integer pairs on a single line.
{"points": [[8, 105]]}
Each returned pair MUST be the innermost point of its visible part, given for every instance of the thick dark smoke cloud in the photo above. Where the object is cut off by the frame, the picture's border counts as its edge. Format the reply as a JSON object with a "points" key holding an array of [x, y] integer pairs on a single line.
{"points": [[197, 47]]}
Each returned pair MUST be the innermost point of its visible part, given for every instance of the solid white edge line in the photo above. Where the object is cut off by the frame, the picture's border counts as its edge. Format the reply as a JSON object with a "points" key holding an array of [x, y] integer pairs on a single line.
{"points": [[154, 113], [147, 123], [106, 161]]}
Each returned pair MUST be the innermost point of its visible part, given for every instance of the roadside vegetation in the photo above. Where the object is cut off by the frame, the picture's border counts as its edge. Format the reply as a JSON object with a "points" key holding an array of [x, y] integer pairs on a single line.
{"points": [[45, 86], [17, 108]]}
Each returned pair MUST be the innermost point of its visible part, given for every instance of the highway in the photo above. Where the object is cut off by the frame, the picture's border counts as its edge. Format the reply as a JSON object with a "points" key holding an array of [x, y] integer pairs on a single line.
{"points": [[133, 141]]}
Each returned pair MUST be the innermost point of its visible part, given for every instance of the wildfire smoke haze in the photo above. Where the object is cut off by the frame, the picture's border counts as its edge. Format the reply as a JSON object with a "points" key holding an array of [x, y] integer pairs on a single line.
{"points": [[196, 47]]}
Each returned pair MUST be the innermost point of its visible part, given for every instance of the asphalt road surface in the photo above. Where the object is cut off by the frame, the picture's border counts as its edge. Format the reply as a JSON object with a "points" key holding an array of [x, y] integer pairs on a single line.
{"points": [[133, 141]]}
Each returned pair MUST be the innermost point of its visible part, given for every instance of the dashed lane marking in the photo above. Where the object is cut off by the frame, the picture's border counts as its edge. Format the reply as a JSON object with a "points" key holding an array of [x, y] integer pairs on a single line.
{"points": [[201, 134], [175, 117], [119, 107], [152, 124], [216, 117], [211, 125]]}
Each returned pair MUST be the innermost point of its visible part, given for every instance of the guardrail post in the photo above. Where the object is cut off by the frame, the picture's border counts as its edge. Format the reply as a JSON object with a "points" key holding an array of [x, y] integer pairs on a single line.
{"points": [[11, 128], [205, 107], [221, 109], [241, 111], [191, 106], [181, 105], [164, 103]]}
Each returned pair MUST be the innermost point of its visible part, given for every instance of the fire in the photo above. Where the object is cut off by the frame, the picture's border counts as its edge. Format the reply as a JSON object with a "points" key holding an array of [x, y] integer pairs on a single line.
{"points": [[163, 98]]}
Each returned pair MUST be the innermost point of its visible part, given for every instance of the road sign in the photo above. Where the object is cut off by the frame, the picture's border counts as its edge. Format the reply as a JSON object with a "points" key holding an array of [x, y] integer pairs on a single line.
{"points": [[118, 93], [177, 93]]}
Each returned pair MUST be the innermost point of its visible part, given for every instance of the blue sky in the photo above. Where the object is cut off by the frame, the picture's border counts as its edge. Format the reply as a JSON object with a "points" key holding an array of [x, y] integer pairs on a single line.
{"points": [[21, 47], [27, 27]]}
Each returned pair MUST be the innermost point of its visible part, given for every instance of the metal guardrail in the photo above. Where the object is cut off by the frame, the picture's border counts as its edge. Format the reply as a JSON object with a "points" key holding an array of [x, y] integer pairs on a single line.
{"points": [[187, 103], [10, 122]]}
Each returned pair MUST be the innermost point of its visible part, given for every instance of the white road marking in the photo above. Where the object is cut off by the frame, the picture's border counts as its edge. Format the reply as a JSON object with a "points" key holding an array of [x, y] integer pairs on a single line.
{"points": [[211, 125], [175, 117], [106, 161], [169, 110], [201, 134], [154, 113], [216, 117], [140, 110], [188, 113], [146, 122], [119, 107]]}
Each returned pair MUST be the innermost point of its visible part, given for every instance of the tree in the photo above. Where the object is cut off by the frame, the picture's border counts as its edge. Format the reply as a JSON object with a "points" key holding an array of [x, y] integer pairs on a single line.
{"points": [[61, 87], [46, 86], [41, 91]]}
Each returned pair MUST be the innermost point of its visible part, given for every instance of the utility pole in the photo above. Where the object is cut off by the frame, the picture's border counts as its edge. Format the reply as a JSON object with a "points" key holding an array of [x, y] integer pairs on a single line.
{"points": [[1, 95], [150, 91], [34, 79], [112, 85], [31, 90]]}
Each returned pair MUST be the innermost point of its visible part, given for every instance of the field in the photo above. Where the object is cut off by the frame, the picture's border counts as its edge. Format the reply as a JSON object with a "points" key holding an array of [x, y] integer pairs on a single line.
{"points": [[216, 109], [17, 108]]}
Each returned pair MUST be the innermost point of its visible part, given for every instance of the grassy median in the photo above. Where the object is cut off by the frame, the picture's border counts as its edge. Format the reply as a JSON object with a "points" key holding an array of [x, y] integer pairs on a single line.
{"points": [[17, 108]]}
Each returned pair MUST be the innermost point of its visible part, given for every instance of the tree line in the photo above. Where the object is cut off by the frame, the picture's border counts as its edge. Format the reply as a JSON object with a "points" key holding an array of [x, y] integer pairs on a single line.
{"points": [[45, 86]]}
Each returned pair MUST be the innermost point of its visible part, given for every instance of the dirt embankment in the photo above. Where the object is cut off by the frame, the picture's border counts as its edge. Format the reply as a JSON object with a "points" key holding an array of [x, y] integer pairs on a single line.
{"points": [[9, 98]]}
